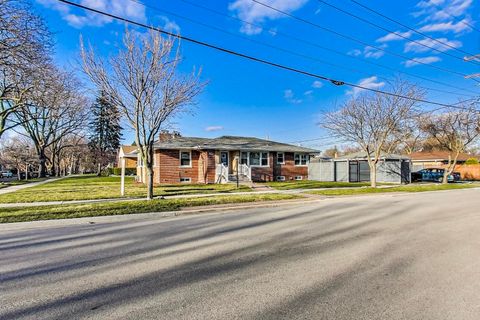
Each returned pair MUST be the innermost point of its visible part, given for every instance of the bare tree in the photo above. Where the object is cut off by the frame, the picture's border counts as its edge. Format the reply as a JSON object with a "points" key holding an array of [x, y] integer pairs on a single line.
{"points": [[18, 153], [53, 111], [454, 131], [24, 46], [374, 121], [144, 82]]}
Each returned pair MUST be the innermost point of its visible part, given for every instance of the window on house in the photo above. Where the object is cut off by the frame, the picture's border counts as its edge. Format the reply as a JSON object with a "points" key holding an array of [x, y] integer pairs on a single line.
{"points": [[258, 159], [185, 180], [280, 178], [298, 178], [301, 159], [280, 158], [244, 158], [254, 158], [185, 159], [264, 159]]}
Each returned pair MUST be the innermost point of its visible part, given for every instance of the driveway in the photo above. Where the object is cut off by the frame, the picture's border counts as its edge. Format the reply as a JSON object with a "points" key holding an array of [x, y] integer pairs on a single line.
{"points": [[414, 256]]}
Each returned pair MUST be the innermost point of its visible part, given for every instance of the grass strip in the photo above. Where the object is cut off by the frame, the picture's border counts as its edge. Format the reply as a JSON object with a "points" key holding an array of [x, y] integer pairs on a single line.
{"points": [[410, 188], [22, 214], [90, 187]]}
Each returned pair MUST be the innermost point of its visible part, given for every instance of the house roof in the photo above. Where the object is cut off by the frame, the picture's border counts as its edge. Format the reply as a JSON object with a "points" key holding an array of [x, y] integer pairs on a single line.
{"points": [[128, 151], [230, 143], [437, 156], [128, 148], [362, 155]]}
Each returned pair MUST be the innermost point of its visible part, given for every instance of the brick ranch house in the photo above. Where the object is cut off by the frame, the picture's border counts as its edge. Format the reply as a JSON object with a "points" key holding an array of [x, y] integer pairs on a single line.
{"points": [[180, 159]]}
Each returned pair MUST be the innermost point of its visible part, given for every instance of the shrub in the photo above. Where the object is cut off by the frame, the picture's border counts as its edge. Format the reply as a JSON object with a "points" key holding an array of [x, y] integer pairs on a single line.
{"points": [[118, 171], [472, 161]]}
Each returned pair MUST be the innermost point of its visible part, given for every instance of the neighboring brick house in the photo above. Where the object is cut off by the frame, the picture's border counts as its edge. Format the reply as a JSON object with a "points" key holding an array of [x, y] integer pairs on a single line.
{"points": [[200, 160]]}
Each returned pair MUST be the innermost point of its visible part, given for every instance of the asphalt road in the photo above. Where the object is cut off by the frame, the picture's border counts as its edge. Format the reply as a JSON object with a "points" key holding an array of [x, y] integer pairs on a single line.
{"points": [[411, 256]]}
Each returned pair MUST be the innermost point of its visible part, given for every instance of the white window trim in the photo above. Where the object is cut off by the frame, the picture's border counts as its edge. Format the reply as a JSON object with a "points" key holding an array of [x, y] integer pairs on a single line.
{"points": [[300, 154], [283, 153], [277, 178], [187, 181], [180, 158], [300, 178], [255, 165]]}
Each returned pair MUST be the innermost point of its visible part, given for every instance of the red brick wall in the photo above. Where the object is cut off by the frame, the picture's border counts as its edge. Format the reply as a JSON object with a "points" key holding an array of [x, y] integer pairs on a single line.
{"points": [[170, 172], [289, 170]]}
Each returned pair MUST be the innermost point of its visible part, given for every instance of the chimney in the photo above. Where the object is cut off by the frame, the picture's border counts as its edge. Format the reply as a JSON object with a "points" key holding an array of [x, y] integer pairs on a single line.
{"points": [[165, 135]]}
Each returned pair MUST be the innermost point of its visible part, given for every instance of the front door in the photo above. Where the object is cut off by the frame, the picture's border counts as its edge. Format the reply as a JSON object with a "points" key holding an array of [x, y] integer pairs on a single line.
{"points": [[224, 158]]}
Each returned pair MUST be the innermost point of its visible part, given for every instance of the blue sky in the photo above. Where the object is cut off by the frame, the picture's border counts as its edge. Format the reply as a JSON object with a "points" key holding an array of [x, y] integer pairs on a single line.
{"points": [[246, 98]]}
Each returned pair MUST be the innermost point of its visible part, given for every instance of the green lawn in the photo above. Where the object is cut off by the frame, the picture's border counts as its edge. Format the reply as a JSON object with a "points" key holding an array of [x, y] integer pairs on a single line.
{"points": [[307, 184], [19, 182], [409, 188], [127, 207], [89, 187]]}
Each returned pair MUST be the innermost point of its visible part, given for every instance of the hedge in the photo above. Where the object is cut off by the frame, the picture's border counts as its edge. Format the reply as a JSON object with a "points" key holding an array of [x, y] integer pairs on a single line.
{"points": [[118, 171]]}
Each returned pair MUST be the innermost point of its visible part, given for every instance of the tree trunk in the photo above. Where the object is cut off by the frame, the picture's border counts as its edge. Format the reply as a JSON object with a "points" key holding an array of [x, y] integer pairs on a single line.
{"points": [[373, 175], [99, 169], [149, 182], [42, 167]]}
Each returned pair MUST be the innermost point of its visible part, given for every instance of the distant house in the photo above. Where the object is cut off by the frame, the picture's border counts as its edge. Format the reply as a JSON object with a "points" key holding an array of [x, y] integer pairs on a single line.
{"points": [[439, 159], [391, 168], [128, 153], [435, 159], [180, 159]]}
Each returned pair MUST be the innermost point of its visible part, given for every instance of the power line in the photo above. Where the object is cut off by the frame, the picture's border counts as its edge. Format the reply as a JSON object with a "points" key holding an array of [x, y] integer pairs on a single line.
{"points": [[407, 27], [395, 33], [252, 58], [359, 41], [256, 41], [316, 45], [303, 55]]}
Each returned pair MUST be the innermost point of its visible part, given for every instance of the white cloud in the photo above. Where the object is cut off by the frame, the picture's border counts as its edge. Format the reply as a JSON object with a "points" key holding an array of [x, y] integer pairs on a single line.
{"points": [[127, 9], [317, 84], [395, 36], [289, 95], [429, 3], [421, 45], [436, 10], [418, 61], [170, 25], [447, 26], [255, 13], [308, 93], [371, 83], [214, 128], [355, 52], [371, 52]]}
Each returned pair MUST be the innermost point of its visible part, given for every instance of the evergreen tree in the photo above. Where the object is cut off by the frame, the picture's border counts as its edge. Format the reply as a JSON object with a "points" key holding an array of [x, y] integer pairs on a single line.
{"points": [[106, 131]]}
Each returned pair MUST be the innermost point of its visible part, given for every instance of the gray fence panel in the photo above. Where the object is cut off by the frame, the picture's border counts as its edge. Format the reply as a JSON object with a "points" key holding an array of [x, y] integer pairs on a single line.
{"points": [[341, 171], [320, 171]]}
